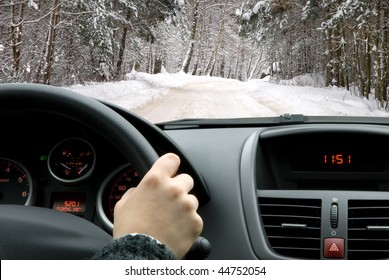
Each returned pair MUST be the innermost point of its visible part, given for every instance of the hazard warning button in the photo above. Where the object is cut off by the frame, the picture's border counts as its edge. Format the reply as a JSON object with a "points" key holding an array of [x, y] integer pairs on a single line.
{"points": [[334, 248]]}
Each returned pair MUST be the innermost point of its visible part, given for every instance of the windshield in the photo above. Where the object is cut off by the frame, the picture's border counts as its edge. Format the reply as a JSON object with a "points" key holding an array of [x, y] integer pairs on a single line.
{"points": [[173, 59]]}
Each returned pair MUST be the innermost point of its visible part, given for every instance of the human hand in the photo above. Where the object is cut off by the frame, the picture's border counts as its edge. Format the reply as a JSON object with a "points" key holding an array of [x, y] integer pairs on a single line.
{"points": [[161, 207]]}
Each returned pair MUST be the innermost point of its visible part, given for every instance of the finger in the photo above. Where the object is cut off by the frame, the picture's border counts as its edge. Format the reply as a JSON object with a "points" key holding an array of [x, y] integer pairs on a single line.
{"points": [[185, 180], [194, 201], [167, 165]]}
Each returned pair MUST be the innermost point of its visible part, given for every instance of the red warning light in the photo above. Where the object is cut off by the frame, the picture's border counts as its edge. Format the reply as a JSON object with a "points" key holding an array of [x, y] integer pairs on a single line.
{"points": [[334, 248]]}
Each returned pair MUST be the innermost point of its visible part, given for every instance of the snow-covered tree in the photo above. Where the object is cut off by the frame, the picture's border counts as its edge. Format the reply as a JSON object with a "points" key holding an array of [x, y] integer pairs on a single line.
{"points": [[346, 40], [64, 41]]}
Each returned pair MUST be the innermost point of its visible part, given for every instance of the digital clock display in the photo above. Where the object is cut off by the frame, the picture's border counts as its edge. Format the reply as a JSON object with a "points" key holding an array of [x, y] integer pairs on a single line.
{"points": [[69, 202], [337, 160]]}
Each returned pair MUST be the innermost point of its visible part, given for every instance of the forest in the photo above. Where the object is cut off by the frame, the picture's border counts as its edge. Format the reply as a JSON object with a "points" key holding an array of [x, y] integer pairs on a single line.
{"points": [[63, 42]]}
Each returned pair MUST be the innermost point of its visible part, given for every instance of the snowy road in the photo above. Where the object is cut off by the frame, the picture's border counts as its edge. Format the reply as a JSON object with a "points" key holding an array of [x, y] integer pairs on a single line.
{"points": [[165, 97], [206, 100]]}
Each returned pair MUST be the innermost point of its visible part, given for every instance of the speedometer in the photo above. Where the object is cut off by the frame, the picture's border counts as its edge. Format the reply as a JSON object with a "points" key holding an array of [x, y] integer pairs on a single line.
{"points": [[16, 185], [112, 190]]}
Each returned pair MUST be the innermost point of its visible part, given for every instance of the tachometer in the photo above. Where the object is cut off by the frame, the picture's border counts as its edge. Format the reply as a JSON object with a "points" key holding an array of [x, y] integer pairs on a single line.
{"points": [[16, 186], [112, 189], [72, 160]]}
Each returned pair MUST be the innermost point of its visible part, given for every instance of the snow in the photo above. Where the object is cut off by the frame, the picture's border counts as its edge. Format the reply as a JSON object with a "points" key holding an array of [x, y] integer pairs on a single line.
{"points": [[32, 4], [259, 6], [246, 16], [180, 3], [165, 96], [314, 80]]}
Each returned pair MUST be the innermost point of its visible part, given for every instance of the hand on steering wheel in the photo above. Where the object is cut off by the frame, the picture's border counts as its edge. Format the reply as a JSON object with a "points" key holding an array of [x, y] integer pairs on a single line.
{"points": [[161, 207]]}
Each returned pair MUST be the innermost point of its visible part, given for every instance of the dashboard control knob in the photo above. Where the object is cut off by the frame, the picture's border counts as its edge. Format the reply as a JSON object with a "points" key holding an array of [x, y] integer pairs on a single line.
{"points": [[334, 215]]}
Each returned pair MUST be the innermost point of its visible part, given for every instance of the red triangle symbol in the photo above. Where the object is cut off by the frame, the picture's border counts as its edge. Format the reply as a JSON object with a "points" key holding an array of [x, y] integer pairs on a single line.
{"points": [[334, 248]]}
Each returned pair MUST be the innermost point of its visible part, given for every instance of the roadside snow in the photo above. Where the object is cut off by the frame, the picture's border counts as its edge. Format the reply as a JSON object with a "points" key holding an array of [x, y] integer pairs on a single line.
{"points": [[167, 96]]}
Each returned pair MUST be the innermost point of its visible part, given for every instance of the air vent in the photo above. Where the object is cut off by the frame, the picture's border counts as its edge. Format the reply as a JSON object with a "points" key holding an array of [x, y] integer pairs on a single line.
{"points": [[368, 229], [292, 226]]}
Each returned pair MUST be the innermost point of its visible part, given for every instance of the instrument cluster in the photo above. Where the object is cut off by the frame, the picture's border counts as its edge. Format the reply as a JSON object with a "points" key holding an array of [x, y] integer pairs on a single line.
{"points": [[67, 168]]}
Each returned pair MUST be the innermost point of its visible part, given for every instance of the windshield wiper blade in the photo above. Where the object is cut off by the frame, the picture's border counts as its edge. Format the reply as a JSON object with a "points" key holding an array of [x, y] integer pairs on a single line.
{"points": [[232, 122], [282, 120]]}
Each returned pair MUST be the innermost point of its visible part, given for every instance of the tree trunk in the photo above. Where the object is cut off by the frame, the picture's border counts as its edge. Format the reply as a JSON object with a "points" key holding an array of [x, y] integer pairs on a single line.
{"points": [[122, 47], [259, 59], [213, 58], [358, 58], [17, 13], [50, 44], [150, 58], [368, 67], [379, 53], [192, 39], [328, 60], [385, 40]]}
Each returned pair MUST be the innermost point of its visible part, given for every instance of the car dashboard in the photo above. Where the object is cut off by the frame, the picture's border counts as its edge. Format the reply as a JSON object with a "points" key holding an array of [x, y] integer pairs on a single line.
{"points": [[316, 188], [321, 191]]}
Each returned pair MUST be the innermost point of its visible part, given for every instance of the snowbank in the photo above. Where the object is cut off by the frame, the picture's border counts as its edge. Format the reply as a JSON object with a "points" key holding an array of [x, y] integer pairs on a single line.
{"points": [[314, 80]]}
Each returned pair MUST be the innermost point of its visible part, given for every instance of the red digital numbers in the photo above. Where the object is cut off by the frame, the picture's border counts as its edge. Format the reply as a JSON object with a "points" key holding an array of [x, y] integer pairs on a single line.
{"points": [[73, 203], [337, 159], [69, 203]]}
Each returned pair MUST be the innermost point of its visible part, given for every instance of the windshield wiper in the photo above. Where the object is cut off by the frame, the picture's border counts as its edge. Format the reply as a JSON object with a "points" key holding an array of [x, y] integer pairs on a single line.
{"points": [[286, 119], [235, 122]]}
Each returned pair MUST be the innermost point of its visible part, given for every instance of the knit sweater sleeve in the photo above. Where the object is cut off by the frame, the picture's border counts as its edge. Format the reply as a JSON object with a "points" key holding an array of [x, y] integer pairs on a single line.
{"points": [[134, 247]]}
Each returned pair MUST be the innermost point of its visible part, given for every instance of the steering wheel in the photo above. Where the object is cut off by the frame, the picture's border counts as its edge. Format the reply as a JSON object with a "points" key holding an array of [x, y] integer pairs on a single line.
{"points": [[28, 232]]}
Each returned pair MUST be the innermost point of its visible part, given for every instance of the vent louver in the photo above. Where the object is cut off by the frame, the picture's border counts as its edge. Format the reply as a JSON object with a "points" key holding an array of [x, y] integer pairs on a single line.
{"points": [[368, 229], [292, 226]]}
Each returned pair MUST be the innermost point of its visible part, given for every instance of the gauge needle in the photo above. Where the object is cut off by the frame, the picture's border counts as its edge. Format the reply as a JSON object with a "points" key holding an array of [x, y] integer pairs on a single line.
{"points": [[82, 169], [64, 165]]}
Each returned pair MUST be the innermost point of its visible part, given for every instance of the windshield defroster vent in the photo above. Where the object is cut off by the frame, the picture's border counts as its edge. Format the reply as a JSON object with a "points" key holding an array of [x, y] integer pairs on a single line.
{"points": [[368, 229], [292, 226]]}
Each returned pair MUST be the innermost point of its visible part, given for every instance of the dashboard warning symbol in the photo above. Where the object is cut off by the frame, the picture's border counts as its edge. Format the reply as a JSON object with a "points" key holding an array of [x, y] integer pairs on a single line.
{"points": [[334, 248]]}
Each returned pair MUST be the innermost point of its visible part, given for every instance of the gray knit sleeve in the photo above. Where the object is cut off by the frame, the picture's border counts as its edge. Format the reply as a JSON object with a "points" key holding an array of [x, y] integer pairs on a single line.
{"points": [[134, 247]]}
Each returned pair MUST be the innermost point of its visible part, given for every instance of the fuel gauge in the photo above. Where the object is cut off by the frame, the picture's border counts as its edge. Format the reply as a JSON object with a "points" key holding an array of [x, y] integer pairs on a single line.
{"points": [[72, 160]]}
